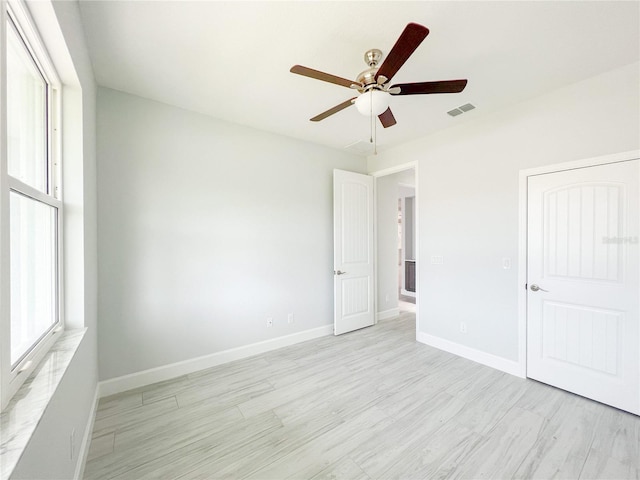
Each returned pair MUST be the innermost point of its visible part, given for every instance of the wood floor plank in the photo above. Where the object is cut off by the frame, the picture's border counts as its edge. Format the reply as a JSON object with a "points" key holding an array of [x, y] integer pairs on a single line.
{"points": [[218, 444], [171, 427], [617, 435], [280, 396], [134, 416], [344, 398], [600, 466], [344, 469], [489, 403], [400, 441], [370, 404], [434, 455], [154, 456], [316, 455], [505, 446], [563, 442], [543, 399], [225, 394], [161, 390], [115, 404], [615, 450], [263, 451], [101, 446]]}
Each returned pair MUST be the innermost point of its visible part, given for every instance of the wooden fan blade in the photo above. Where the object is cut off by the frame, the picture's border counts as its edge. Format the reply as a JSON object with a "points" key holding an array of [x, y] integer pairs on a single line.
{"points": [[387, 119], [409, 40], [444, 86], [318, 75], [333, 110]]}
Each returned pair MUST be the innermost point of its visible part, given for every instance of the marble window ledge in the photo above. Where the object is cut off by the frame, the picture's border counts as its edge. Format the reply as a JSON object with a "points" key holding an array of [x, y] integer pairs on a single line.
{"points": [[23, 414]]}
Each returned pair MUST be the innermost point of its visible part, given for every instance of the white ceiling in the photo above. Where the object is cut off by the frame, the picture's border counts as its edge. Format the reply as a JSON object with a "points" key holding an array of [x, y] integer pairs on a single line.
{"points": [[231, 60]]}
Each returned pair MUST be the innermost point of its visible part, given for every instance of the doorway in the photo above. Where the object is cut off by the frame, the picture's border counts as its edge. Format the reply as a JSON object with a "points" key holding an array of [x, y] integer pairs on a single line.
{"points": [[406, 248], [396, 242]]}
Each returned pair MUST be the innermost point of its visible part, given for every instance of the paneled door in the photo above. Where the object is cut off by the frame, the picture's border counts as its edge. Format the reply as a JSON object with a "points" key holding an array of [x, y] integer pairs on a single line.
{"points": [[353, 251], [583, 282]]}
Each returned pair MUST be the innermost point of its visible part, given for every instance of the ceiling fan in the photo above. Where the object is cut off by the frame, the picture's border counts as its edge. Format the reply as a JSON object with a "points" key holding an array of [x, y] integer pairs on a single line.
{"points": [[373, 84]]}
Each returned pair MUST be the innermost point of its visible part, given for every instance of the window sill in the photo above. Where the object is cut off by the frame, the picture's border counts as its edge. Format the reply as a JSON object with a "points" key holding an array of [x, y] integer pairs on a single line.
{"points": [[23, 414]]}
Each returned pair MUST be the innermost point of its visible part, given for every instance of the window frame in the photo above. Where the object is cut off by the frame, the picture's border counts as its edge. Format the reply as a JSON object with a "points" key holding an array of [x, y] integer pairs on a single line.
{"points": [[14, 13]]}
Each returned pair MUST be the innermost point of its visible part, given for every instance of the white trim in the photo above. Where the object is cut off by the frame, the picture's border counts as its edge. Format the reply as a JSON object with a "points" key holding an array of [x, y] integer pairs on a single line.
{"points": [[5, 287], [522, 274], [398, 168], [167, 372], [27, 28], [391, 313], [407, 293], [375, 248], [416, 246], [478, 356], [586, 162], [522, 234], [28, 191], [83, 452]]}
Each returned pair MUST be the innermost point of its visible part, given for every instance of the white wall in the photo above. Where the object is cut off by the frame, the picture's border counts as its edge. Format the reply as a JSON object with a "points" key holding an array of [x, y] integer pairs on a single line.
{"points": [[48, 452], [206, 229], [468, 198], [408, 220], [388, 191]]}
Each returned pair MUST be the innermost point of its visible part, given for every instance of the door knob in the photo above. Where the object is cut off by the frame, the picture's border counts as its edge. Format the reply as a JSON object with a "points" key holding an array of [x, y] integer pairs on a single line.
{"points": [[339, 272], [535, 288]]}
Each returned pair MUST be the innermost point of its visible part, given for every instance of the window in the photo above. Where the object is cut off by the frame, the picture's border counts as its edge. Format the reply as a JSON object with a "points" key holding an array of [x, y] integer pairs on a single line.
{"points": [[32, 222]]}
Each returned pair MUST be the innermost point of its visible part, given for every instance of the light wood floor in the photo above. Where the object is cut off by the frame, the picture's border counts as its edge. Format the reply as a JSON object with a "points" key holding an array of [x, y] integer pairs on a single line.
{"points": [[369, 404]]}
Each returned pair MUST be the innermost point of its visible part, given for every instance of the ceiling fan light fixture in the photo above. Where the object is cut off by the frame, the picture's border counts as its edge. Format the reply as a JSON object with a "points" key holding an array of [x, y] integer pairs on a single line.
{"points": [[373, 102]]}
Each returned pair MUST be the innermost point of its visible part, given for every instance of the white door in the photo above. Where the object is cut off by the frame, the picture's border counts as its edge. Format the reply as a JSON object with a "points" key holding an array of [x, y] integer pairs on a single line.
{"points": [[352, 251], [583, 282]]}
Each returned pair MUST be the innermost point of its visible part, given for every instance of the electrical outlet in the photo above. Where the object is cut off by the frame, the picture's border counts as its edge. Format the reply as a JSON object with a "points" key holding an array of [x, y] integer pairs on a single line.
{"points": [[437, 260], [506, 263], [386, 298], [463, 327], [290, 319], [269, 322]]}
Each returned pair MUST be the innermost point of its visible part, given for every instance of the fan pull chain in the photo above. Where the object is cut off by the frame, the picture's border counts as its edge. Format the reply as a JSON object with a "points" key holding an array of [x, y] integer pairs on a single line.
{"points": [[373, 132], [375, 135]]}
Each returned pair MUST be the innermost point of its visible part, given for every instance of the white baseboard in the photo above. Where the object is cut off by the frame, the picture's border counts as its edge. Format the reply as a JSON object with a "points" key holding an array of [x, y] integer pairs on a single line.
{"points": [[86, 438], [484, 358], [167, 372], [407, 293], [391, 313]]}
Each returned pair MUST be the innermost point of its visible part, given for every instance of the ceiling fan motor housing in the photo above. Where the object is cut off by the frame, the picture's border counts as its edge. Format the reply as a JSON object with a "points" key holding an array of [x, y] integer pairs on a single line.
{"points": [[372, 58], [368, 77]]}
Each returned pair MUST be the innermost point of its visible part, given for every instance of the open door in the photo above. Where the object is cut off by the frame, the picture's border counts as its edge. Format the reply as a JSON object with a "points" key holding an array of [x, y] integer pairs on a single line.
{"points": [[583, 308], [352, 251]]}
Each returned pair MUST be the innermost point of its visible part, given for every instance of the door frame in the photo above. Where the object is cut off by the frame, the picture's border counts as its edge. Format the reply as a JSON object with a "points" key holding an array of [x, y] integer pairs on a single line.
{"points": [[383, 173], [522, 234]]}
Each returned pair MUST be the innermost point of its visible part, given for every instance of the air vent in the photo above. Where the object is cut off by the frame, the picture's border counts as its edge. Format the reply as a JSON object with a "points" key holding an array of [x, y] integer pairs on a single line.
{"points": [[361, 147], [461, 109]]}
